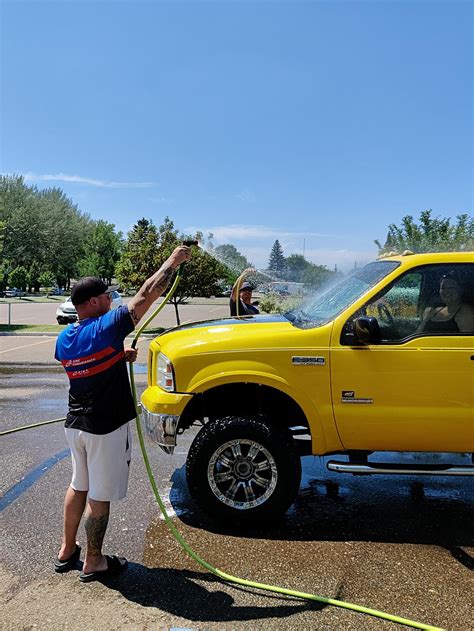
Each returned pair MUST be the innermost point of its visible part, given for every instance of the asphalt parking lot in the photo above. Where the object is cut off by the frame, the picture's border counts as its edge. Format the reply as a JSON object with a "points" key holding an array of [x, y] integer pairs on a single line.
{"points": [[27, 312], [403, 545]]}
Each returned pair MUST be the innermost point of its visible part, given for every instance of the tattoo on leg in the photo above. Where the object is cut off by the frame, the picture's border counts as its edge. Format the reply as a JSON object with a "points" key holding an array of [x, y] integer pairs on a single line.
{"points": [[95, 532]]}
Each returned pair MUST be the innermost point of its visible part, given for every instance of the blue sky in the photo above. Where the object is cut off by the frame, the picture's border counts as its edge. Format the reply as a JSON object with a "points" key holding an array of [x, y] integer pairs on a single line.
{"points": [[317, 123]]}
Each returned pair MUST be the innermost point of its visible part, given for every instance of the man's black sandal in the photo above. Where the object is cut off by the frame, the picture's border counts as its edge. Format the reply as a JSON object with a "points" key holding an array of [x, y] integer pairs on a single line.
{"points": [[68, 564], [114, 566]]}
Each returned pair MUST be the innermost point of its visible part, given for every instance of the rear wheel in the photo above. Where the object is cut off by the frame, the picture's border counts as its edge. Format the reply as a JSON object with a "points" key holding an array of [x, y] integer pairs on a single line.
{"points": [[241, 468]]}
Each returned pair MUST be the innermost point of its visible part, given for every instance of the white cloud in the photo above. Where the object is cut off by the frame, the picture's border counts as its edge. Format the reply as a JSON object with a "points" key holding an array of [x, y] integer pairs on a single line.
{"points": [[78, 179], [255, 242], [344, 259], [244, 232]]}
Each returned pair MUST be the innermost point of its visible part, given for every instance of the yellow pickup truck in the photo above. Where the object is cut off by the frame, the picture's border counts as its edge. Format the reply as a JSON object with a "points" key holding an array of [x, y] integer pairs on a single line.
{"points": [[380, 362]]}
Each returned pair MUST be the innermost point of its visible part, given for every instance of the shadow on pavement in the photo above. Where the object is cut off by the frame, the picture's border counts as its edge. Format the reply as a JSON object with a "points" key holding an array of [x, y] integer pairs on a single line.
{"points": [[178, 593]]}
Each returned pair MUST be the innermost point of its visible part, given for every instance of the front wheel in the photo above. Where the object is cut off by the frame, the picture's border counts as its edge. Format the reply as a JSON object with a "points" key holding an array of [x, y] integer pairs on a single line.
{"points": [[243, 469]]}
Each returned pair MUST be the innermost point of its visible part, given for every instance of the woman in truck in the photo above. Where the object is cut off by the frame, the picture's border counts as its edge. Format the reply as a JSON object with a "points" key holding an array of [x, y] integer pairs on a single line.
{"points": [[456, 315]]}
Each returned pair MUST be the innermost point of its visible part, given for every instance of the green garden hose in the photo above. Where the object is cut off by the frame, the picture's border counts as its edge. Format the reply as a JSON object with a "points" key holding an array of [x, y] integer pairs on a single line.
{"points": [[180, 539], [19, 429]]}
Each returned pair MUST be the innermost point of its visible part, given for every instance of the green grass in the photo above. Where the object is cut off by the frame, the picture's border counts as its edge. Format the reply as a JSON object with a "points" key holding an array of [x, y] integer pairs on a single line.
{"points": [[30, 299], [32, 328]]}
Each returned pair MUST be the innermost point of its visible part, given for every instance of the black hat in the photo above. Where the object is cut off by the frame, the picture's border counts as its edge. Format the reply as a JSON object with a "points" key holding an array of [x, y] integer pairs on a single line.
{"points": [[89, 287], [246, 286]]}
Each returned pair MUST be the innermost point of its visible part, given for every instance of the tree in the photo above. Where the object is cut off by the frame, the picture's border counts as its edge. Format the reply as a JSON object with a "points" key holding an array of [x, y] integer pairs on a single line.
{"points": [[430, 235], [33, 276], [276, 262], [65, 231], [2, 260], [202, 273], [140, 256], [46, 280], [201, 277], [229, 256], [22, 238], [148, 247], [296, 265], [315, 276], [299, 270], [42, 227], [18, 278], [102, 251]]}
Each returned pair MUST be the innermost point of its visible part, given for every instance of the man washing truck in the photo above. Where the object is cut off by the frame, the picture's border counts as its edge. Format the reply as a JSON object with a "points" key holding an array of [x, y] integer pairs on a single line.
{"points": [[100, 408]]}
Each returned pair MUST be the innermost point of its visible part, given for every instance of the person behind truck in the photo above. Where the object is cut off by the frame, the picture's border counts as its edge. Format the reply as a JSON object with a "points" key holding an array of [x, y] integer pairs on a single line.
{"points": [[100, 408], [456, 315], [244, 305]]}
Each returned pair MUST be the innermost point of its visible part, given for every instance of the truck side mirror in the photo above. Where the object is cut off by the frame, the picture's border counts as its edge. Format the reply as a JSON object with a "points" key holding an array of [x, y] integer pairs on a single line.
{"points": [[367, 330]]}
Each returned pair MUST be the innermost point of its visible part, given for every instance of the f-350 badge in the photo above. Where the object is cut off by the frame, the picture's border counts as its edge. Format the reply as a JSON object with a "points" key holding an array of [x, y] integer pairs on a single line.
{"points": [[306, 360]]}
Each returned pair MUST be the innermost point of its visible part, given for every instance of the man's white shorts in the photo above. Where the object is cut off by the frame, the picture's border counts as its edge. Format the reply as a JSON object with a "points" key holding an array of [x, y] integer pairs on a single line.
{"points": [[100, 462]]}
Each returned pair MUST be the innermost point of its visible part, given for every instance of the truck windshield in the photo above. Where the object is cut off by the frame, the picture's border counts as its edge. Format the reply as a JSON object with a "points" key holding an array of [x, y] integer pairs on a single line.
{"points": [[327, 305]]}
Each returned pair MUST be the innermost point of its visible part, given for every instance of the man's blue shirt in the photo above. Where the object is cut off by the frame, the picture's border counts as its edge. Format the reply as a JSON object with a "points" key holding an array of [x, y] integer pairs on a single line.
{"points": [[92, 353]]}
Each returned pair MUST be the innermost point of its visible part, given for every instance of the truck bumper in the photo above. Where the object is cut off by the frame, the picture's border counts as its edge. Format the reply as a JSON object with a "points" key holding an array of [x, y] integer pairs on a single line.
{"points": [[161, 412]]}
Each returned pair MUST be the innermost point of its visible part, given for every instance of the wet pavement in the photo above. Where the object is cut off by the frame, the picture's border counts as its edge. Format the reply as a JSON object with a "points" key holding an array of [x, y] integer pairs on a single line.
{"points": [[402, 544]]}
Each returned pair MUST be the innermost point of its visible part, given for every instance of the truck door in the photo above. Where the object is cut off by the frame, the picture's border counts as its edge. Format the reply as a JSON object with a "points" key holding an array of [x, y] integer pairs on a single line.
{"points": [[414, 390]]}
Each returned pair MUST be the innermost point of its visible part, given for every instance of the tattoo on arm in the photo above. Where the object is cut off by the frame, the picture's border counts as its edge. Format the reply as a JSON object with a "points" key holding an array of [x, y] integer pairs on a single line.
{"points": [[95, 532], [162, 280], [134, 316], [151, 289]]}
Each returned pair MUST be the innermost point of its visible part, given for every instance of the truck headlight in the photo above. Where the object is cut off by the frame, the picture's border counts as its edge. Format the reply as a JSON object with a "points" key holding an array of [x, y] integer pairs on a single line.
{"points": [[165, 374]]}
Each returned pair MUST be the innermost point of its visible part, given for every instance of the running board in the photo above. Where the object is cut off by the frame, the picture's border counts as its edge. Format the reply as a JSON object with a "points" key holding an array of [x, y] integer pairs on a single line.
{"points": [[398, 469]]}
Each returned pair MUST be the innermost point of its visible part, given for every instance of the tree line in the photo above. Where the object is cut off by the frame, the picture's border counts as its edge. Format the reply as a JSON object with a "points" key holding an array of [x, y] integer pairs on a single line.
{"points": [[46, 240]]}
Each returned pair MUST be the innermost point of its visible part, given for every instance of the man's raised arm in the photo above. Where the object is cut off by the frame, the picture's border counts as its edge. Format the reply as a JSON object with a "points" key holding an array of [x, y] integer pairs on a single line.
{"points": [[154, 286]]}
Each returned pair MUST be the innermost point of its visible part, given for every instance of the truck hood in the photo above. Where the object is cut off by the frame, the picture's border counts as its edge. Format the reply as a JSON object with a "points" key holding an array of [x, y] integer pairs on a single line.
{"points": [[238, 334], [234, 321]]}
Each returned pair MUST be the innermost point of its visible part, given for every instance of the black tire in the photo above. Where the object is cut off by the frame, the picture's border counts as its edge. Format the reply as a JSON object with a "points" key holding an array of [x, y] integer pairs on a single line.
{"points": [[242, 469], [61, 320]]}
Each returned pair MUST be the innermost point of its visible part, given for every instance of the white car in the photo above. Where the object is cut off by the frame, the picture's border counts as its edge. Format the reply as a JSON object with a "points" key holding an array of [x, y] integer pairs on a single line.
{"points": [[66, 312]]}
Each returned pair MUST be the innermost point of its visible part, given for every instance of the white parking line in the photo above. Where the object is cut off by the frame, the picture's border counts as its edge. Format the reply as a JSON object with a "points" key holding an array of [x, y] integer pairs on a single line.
{"points": [[216, 309], [17, 348]]}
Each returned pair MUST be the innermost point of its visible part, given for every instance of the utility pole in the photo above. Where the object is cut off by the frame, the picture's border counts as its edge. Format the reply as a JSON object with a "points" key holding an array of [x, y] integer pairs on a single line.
{"points": [[304, 243]]}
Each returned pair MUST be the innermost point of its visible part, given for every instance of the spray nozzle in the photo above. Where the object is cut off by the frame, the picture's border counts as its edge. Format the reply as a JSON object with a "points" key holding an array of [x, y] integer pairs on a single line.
{"points": [[189, 243]]}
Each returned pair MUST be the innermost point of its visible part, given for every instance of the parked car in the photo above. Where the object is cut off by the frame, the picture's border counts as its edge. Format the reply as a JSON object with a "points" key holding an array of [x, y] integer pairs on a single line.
{"points": [[66, 312], [348, 373], [14, 292]]}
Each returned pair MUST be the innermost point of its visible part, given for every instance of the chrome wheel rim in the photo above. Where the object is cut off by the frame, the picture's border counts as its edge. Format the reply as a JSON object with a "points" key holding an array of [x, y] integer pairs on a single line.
{"points": [[242, 474]]}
